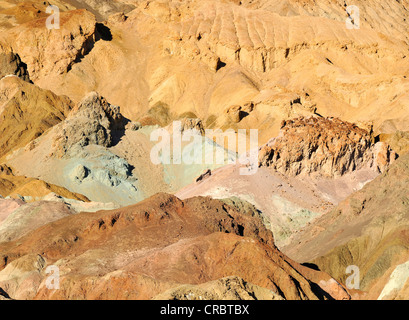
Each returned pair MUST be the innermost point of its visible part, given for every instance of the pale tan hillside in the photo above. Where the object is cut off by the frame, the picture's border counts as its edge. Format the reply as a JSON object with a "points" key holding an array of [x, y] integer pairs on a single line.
{"points": [[287, 57], [26, 112]]}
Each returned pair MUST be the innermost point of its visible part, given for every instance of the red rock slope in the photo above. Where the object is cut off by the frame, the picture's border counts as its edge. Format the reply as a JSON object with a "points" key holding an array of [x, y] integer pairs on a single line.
{"points": [[140, 251]]}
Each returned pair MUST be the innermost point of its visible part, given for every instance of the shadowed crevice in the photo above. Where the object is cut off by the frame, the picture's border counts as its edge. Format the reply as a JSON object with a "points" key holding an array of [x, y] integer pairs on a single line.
{"points": [[102, 32], [311, 266], [4, 294]]}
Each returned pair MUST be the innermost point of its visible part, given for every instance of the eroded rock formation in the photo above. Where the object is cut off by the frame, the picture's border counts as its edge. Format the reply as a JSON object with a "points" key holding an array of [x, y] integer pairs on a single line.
{"points": [[326, 146], [162, 241]]}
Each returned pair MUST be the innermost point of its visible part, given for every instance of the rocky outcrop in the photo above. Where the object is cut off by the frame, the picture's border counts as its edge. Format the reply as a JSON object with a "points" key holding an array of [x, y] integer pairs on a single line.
{"points": [[236, 113], [104, 156], [11, 64], [326, 146], [94, 121], [53, 51], [162, 241], [194, 124]]}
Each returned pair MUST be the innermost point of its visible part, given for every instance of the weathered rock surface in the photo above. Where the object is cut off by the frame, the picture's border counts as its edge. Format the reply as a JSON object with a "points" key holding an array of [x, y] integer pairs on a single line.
{"points": [[26, 112], [101, 155], [20, 216], [53, 51], [11, 64], [7, 206], [326, 146], [211, 64], [94, 121], [158, 244], [204, 57], [229, 288], [29, 217], [369, 230]]}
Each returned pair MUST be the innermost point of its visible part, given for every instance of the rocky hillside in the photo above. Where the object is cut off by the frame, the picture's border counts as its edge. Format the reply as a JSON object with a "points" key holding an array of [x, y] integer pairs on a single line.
{"points": [[26, 112], [205, 57], [90, 109], [325, 146], [143, 250], [369, 229]]}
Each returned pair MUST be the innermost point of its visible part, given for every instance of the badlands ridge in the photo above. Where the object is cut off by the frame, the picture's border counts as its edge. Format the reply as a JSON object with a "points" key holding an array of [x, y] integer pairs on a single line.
{"points": [[79, 191]]}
